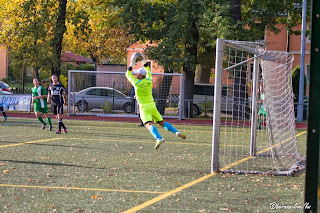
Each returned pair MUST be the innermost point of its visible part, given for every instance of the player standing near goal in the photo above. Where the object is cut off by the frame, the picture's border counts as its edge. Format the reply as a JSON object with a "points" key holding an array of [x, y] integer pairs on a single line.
{"points": [[57, 95], [39, 98], [143, 90], [262, 112]]}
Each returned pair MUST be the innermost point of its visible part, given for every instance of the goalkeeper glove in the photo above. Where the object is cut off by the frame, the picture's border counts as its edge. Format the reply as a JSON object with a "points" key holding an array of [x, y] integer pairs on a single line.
{"points": [[132, 63], [143, 60], [133, 60]]}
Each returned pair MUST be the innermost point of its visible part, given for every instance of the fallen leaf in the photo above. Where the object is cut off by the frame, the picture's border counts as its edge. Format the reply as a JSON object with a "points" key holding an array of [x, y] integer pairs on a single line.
{"points": [[48, 190], [95, 197]]}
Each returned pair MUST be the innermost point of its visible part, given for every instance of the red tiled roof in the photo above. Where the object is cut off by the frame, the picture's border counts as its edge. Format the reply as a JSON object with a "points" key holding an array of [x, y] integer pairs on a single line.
{"points": [[71, 57]]}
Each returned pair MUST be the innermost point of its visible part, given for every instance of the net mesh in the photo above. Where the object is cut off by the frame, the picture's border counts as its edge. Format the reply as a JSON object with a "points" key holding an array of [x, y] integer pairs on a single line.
{"points": [[275, 145], [279, 102]]}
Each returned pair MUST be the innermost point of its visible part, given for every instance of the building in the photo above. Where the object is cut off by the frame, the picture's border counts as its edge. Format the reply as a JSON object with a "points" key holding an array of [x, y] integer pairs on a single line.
{"points": [[274, 42], [70, 57], [291, 43], [3, 62]]}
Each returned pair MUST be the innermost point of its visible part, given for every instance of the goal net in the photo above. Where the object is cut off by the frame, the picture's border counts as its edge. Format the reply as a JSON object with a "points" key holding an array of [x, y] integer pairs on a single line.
{"points": [[106, 93], [257, 134]]}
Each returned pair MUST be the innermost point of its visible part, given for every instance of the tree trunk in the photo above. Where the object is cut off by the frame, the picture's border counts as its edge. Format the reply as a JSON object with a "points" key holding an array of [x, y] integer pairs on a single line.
{"points": [[189, 67], [235, 10], [202, 75], [206, 63], [58, 33], [188, 91], [35, 72]]}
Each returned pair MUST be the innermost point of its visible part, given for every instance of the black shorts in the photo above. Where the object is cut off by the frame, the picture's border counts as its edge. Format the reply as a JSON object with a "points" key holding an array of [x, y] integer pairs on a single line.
{"points": [[56, 108]]}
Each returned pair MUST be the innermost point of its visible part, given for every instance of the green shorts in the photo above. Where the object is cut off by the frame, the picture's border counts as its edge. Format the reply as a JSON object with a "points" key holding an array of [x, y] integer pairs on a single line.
{"points": [[262, 112], [149, 113], [37, 108]]}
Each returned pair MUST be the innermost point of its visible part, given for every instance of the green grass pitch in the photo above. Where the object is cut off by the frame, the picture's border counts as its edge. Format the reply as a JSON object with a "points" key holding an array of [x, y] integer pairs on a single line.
{"points": [[112, 167]]}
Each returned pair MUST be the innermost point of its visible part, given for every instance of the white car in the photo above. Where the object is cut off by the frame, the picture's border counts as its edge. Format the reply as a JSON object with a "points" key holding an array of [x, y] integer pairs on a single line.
{"points": [[203, 95], [5, 93], [97, 97], [4, 86]]}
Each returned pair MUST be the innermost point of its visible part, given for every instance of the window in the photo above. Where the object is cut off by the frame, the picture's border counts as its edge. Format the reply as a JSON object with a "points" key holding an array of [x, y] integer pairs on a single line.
{"points": [[106, 92], [100, 92], [93, 92]]}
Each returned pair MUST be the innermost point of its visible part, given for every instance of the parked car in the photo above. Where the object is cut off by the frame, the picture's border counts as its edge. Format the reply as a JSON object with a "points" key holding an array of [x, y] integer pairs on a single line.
{"points": [[203, 97], [4, 86], [5, 92], [97, 97]]}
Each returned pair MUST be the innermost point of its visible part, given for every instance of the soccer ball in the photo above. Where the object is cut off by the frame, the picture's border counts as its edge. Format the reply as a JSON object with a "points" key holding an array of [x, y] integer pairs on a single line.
{"points": [[136, 57]]}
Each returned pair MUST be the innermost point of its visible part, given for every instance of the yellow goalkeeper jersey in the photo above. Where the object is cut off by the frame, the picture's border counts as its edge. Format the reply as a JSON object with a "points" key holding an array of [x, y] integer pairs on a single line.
{"points": [[142, 87]]}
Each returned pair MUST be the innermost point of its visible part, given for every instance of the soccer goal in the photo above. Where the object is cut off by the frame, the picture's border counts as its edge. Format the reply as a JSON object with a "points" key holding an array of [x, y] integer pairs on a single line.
{"points": [[106, 93], [258, 134]]}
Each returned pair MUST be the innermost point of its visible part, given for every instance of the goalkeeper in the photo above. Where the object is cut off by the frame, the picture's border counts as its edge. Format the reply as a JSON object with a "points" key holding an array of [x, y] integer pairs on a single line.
{"points": [[143, 90]]}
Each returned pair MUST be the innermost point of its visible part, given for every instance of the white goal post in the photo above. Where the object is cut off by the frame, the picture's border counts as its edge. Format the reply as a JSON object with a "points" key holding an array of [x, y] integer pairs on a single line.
{"points": [[258, 135]]}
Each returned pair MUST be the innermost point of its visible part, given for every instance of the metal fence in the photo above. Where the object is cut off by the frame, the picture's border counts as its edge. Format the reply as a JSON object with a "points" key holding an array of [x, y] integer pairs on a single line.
{"points": [[105, 93]]}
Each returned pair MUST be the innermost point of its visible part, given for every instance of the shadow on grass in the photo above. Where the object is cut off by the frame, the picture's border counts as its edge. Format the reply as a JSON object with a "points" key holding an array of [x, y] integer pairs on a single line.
{"points": [[39, 144], [51, 164]]}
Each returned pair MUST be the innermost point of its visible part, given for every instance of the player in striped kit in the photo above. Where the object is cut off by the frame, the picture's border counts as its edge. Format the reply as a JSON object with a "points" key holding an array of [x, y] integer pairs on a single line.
{"points": [[57, 96]]}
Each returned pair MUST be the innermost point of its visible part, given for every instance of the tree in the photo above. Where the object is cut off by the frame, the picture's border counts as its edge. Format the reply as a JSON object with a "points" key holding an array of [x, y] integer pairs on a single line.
{"points": [[25, 33], [58, 33], [173, 25], [94, 30]]}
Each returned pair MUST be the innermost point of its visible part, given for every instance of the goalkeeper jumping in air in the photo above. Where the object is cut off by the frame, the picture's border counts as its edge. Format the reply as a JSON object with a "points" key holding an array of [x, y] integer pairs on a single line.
{"points": [[143, 90]]}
